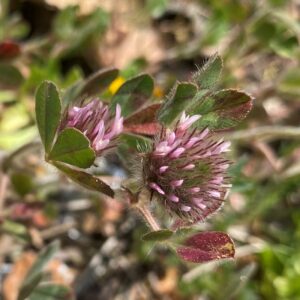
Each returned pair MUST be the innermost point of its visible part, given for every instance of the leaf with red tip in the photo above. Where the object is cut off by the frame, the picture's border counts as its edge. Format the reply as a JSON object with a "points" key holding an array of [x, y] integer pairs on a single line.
{"points": [[222, 109], [207, 246], [144, 129], [145, 115], [143, 121]]}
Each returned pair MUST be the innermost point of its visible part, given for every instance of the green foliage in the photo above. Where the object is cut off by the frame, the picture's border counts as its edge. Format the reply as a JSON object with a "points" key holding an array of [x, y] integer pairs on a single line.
{"points": [[259, 43], [85, 179], [133, 94], [73, 148], [280, 275], [15, 229], [22, 136], [51, 292], [22, 183], [176, 103], [92, 86], [10, 75], [35, 273], [279, 32], [290, 82], [222, 109], [157, 236], [76, 32], [137, 142], [209, 74], [48, 112]]}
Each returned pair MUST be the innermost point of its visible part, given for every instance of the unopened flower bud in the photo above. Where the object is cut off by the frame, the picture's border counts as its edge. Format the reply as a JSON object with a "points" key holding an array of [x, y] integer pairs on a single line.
{"points": [[97, 123]]}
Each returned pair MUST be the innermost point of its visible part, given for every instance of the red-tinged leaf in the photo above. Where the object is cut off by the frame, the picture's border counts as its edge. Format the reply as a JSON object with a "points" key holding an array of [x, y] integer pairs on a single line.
{"points": [[145, 115], [207, 246], [222, 109], [9, 49], [143, 121], [149, 129]]}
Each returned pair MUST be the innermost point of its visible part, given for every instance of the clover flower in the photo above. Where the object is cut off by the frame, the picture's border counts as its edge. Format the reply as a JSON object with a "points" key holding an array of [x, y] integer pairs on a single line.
{"points": [[97, 123], [186, 170]]}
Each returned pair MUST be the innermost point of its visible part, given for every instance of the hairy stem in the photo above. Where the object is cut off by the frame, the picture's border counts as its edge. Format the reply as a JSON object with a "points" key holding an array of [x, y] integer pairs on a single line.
{"points": [[144, 211]]}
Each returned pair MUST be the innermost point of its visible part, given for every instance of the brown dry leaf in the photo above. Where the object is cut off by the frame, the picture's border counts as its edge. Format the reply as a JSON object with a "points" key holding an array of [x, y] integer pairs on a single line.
{"points": [[119, 47], [90, 223], [59, 273], [113, 210], [166, 285], [128, 37], [13, 281]]}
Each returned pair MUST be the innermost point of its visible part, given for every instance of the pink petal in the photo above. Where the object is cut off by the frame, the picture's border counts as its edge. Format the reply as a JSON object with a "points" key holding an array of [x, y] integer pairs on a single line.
{"points": [[189, 167], [163, 169], [176, 183], [194, 190], [191, 142], [185, 208], [204, 133], [225, 146], [171, 138], [101, 144], [199, 203], [173, 198], [101, 130], [186, 121], [215, 194], [156, 187], [223, 167], [217, 180], [177, 152]]}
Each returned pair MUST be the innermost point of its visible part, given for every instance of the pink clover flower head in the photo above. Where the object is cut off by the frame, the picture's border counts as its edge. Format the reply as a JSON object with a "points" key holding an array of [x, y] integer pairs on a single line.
{"points": [[97, 123], [186, 169]]}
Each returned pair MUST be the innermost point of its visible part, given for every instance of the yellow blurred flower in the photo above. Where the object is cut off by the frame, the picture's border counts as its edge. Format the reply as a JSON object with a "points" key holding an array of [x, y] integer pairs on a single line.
{"points": [[115, 85], [158, 92]]}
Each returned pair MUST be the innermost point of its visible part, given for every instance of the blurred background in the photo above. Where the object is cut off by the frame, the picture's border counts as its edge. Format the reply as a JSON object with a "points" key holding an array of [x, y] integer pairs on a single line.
{"points": [[101, 254]]}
